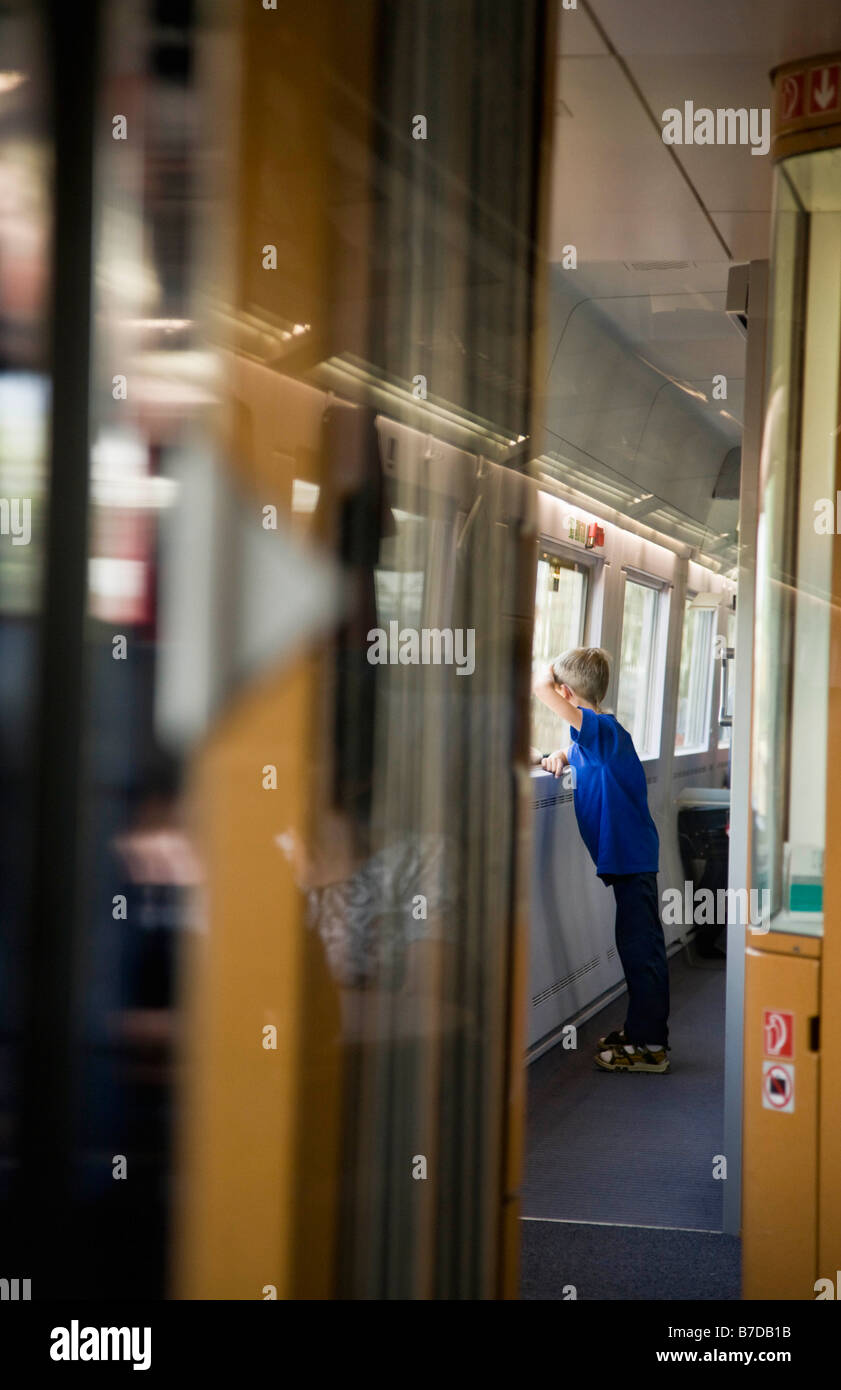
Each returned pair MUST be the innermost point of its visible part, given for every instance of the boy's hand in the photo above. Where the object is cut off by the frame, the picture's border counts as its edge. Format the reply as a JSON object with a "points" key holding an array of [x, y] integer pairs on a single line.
{"points": [[535, 757], [556, 762]]}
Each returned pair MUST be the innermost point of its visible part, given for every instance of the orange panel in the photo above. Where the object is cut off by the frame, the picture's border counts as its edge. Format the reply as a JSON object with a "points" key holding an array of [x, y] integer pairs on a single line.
{"points": [[259, 1153], [784, 944], [779, 1175], [259, 1146]]}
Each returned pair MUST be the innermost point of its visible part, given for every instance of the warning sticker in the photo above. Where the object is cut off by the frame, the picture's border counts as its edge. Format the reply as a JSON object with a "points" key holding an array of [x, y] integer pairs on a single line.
{"points": [[791, 96], [778, 1087], [824, 86], [778, 1033]]}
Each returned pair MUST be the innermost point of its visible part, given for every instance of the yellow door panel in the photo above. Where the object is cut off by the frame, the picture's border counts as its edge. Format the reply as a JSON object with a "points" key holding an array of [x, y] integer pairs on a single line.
{"points": [[779, 1176]]}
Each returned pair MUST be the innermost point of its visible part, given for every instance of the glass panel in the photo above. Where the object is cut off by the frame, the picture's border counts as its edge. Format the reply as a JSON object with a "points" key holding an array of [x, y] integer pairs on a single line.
{"points": [[634, 707], [326, 849], [377, 376], [25, 230], [148, 374], [794, 541], [560, 600], [695, 681]]}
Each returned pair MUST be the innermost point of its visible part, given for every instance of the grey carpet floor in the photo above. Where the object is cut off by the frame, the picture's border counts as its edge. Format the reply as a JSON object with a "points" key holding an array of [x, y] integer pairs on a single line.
{"points": [[626, 1263], [633, 1150]]}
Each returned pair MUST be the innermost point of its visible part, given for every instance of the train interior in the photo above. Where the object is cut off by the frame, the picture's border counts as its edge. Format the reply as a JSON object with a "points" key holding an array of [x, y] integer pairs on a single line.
{"points": [[645, 411], [288, 925]]}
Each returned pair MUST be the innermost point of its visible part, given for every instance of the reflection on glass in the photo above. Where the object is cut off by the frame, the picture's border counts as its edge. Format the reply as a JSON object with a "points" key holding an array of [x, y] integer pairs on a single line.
{"points": [[774, 541], [400, 574], [141, 865], [25, 232], [559, 605], [312, 354], [695, 680], [634, 708], [374, 383], [725, 732], [794, 549]]}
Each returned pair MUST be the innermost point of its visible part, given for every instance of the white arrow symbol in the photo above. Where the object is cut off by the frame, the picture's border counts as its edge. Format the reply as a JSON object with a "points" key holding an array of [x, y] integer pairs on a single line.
{"points": [[825, 93]]}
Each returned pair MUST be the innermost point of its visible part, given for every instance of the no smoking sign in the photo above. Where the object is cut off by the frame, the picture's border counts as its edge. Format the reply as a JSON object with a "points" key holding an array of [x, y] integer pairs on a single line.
{"points": [[778, 1087]]}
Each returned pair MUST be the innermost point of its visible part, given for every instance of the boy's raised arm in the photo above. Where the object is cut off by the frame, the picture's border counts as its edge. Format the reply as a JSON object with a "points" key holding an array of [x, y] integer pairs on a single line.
{"points": [[546, 691]]}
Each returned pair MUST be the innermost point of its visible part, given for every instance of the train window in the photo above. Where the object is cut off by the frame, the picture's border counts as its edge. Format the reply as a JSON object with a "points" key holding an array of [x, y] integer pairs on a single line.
{"points": [[639, 698], [695, 682], [725, 731], [559, 608]]}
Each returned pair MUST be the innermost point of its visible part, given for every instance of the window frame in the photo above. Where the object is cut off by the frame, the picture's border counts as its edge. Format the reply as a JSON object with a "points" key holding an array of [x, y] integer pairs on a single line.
{"points": [[730, 655], [587, 562], [657, 671], [590, 564], [704, 747]]}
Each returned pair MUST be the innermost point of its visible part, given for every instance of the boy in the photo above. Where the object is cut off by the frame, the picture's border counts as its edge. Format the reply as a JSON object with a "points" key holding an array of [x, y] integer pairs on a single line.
{"points": [[611, 807]]}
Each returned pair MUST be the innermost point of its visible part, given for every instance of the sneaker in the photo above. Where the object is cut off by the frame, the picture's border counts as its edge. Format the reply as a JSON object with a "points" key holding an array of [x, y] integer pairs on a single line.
{"points": [[629, 1057]]}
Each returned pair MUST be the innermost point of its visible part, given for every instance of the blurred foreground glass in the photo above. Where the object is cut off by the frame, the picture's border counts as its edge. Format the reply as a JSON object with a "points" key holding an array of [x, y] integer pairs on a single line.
{"points": [[358, 770], [292, 972], [25, 228]]}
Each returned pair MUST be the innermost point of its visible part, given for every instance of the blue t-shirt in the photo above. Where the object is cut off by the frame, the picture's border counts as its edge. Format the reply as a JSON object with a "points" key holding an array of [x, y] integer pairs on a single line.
{"points": [[611, 797]]}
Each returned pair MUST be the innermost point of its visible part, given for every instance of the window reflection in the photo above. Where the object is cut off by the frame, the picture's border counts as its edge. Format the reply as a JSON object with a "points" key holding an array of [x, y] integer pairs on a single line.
{"points": [[635, 706], [559, 608], [695, 680]]}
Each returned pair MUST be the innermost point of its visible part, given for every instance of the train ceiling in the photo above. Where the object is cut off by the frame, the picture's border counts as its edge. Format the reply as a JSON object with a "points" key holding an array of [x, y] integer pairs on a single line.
{"points": [[638, 327]]}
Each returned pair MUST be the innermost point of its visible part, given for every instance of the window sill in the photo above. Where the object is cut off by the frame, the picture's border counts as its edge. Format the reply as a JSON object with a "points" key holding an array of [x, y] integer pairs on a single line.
{"points": [[794, 924]]}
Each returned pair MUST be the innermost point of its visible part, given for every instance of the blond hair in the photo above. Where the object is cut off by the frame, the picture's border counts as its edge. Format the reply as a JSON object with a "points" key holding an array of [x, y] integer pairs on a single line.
{"points": [[586, 670]]}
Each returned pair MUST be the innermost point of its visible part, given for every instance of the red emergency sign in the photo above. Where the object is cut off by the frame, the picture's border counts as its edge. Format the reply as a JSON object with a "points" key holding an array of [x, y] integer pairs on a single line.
{"points": [[778, 1033], [824, 89]]}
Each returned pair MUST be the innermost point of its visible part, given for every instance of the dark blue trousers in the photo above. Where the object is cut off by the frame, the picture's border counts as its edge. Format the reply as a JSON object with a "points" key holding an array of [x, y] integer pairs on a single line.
{"points": [[642, 951]]}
